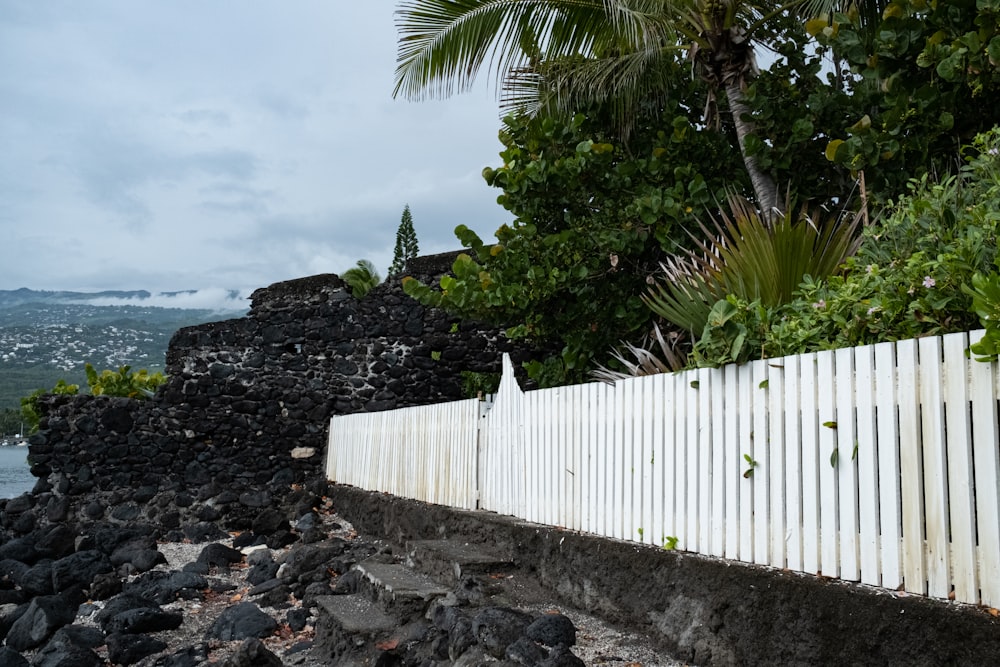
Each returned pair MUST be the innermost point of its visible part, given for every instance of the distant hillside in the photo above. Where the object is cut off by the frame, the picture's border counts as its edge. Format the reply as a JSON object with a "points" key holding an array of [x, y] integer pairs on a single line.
{"points": [[47, 336]]}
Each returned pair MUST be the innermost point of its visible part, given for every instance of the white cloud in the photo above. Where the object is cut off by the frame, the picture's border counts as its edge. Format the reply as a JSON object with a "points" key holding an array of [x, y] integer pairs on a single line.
{"points": [[169, 146]]}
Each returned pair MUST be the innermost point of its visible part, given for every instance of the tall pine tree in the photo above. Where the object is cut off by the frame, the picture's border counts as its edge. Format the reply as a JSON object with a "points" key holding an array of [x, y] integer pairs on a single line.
{"points": [[406, 244]]}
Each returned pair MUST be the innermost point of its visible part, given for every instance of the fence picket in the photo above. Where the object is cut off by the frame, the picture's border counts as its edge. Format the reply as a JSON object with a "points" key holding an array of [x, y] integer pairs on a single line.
{"points": [[774, 393], [867, 464], [962, 510], [935, 467], [705, 471], [986, 459], [846, 468], [810, 464], [911, 468], [720, 476], [733, 474], [693, 480], [750, 472], [762, 475], [794, 443], [887, 454], [829, 507]]}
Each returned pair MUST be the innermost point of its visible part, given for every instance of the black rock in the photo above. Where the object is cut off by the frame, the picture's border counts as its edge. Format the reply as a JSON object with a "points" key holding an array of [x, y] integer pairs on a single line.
{"points": [[44, 615], [37, 580], [552, 630], [495, 628], [280, 539], [9, 614], [56, 542], [57, 509], [21, 503], [143, 619], [347, 583], [297, 619], [127, 551], [11, 658], [261, 571], [164, 587], [121, 603], [242, 621], [219, 555], [21, 549], [270, 521], [105, 586], [81, 635], [252, 653], [66, 654], [204, 532], [526, 652], [460, 638], [124, 649], [79, 569], [561, 656], [311, 556], [190, 656], [255, 498]]}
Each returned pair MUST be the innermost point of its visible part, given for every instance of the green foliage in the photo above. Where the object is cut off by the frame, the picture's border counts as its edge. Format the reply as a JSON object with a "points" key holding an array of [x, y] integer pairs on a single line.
{"points": [[407, 246], [123, 382], [733, 333], [717, 292], [362, 278], [10, 421], [594, 217], [908, 276], [926, 80], [479, 384], [30, 411], [985, 293]]}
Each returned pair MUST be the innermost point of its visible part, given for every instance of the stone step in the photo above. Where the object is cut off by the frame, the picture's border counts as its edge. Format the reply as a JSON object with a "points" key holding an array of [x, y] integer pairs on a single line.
{"points": [[449, 561], [397, 589], [347, 626]]}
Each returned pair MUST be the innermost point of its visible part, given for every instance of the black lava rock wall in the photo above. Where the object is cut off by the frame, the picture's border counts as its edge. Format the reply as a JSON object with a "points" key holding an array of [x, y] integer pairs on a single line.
{"points": [[242, 421]]}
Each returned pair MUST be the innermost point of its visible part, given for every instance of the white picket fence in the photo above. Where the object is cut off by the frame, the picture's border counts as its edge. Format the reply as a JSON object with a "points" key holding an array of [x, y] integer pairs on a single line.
{"points": [[877, 464]]}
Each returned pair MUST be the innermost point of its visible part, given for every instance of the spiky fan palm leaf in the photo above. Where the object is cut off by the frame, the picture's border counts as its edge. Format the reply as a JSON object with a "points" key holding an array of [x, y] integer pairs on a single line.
{"points": [[751, 256]]}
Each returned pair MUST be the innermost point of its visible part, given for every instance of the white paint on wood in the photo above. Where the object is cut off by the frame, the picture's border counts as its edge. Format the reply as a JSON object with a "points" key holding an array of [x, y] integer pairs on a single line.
{"points": [[911, 498]]}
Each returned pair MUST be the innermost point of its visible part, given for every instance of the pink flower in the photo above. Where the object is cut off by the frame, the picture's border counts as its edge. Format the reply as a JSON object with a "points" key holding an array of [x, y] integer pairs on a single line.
{"points": [[929, 282], [820, 304]]}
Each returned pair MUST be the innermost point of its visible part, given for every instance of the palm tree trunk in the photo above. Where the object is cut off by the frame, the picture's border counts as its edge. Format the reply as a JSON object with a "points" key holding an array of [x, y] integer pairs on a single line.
{"points": [[763, 185]]}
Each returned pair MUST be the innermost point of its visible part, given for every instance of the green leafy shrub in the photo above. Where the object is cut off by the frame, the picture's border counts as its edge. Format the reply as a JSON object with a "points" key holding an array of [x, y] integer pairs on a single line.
{"points": [[595, 214], [30, 411], [721, 292], [476, 384], [911, 274], [985, 293], [123, 382]]}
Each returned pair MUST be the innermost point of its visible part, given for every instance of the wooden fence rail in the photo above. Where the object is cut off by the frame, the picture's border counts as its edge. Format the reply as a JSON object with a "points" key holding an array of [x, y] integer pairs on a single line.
{"points": [[877, 464]]}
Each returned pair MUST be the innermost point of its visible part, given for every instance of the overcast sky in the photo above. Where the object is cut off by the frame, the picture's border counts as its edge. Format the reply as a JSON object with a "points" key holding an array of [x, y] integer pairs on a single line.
{"points": [[200, 144]]}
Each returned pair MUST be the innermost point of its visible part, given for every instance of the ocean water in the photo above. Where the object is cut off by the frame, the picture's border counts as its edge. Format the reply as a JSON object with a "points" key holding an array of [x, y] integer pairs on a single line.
{"points": [[15, 477]]}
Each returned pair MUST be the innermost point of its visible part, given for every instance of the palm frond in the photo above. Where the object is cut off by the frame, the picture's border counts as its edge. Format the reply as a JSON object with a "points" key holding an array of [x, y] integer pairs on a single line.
{"points": [[443, 44]]}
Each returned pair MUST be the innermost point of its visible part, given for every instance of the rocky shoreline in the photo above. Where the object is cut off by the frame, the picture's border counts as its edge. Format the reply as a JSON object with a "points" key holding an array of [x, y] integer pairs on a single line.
{"points": [[115, 593]]}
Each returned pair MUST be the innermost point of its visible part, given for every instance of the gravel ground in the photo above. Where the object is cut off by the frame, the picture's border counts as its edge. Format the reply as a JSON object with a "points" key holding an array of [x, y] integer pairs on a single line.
{"points": [[597, 642]]}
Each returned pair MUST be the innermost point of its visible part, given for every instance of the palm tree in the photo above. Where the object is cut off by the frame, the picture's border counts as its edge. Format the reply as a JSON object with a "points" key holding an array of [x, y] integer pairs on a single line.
{"points": [[361, 278], [556, 53]]}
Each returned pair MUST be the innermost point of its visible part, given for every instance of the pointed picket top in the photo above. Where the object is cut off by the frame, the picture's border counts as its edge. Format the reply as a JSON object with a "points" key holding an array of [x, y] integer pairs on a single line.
{"points": [[508, 382]]}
